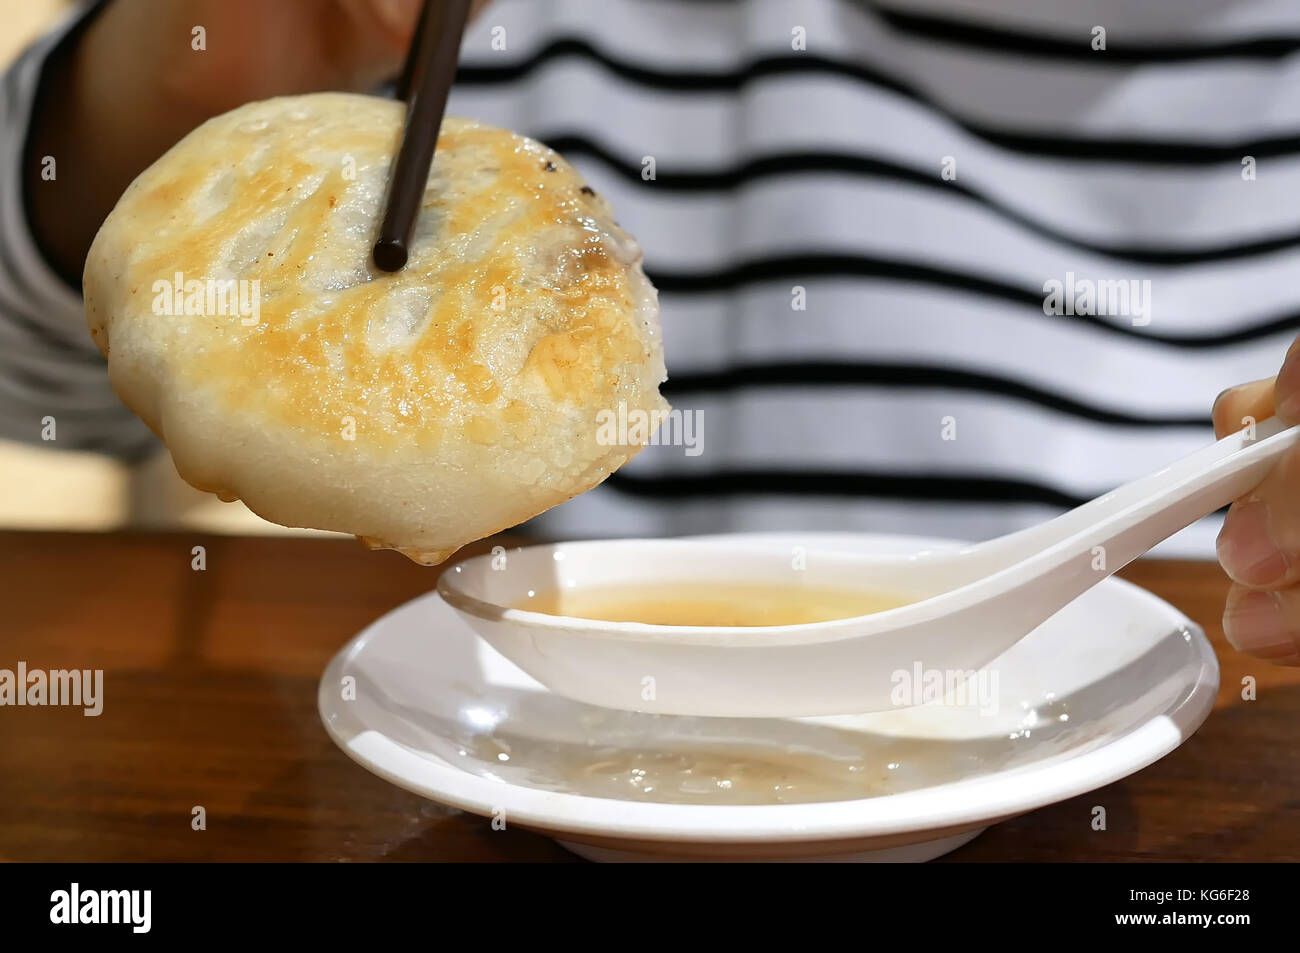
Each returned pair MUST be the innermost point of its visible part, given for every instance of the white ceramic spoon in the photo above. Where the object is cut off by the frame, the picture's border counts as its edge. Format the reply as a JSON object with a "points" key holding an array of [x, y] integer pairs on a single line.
{"points": [[971, 602]]}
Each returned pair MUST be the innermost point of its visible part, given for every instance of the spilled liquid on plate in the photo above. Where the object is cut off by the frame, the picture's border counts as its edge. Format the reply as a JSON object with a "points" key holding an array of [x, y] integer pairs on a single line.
{"points": [[627, 755], [672, 759], [710, 604], [692, 773]]}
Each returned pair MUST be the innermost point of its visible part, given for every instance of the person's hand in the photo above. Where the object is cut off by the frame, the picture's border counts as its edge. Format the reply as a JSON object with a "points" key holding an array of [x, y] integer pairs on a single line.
{"points": [[135, 83], [255, 49], [1259, 546]]}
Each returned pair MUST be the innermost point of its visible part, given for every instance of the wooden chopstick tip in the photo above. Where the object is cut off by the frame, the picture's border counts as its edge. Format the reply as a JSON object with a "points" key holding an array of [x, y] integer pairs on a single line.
{"points": [[428, 76], [389, 254]]}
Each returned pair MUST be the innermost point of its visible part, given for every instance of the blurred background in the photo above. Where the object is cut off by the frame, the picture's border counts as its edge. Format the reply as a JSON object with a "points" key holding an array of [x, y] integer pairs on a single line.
{"points": [[43, 488]]}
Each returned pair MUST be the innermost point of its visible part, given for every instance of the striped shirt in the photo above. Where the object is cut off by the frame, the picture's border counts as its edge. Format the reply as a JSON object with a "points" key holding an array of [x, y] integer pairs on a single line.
{"points": [[932, 266], [49, 366]]}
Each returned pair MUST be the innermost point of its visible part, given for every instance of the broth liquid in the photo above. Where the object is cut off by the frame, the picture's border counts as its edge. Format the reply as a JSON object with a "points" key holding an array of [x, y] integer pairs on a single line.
{"points": [[711, 604]]}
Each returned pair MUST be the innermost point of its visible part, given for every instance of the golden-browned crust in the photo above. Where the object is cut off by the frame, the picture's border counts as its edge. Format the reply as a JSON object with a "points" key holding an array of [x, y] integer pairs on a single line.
{"points": [[521, 313]]}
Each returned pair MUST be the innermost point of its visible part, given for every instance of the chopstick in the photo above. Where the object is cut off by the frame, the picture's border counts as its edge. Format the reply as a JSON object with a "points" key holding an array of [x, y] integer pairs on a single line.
{"points": [[425, 83]]}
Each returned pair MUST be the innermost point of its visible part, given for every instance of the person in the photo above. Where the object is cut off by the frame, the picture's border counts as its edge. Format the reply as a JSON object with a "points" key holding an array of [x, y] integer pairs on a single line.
{"points": [[927, 266]]}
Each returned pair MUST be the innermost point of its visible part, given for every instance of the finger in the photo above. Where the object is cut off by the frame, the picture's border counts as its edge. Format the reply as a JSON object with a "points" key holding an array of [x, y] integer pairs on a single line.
{"points": [[1263, 623], [1237, 403], [1259, 544], [377, 35], [369, 43], [396, 16], [1286, 395]]}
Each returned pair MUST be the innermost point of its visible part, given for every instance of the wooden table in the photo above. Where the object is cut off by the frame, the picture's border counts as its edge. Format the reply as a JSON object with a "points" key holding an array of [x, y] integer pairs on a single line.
{"points": [[210, 700]]}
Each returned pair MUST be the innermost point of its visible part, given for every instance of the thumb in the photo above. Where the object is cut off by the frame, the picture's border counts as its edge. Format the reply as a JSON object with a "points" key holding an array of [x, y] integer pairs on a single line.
{"points": [[1237, 403]]}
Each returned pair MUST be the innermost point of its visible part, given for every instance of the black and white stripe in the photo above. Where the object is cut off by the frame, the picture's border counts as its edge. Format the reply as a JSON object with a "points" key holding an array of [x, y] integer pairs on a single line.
{"points": [[778, 168], [820, 168], [49, 366]]}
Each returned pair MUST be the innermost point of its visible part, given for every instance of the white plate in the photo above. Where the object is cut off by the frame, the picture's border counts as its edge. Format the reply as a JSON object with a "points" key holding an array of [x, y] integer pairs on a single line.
{"points": [[1108, 685]]}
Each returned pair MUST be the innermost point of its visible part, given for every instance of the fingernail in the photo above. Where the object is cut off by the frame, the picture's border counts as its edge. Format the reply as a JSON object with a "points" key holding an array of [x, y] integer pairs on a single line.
{"points": [[1224, 395], [1225, 427], [1257, 625], [1287, 388], [1246, 549]]}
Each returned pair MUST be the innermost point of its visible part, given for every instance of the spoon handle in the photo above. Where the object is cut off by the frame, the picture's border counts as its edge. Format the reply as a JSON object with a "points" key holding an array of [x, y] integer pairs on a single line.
{"points": [[1173, 496]]}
